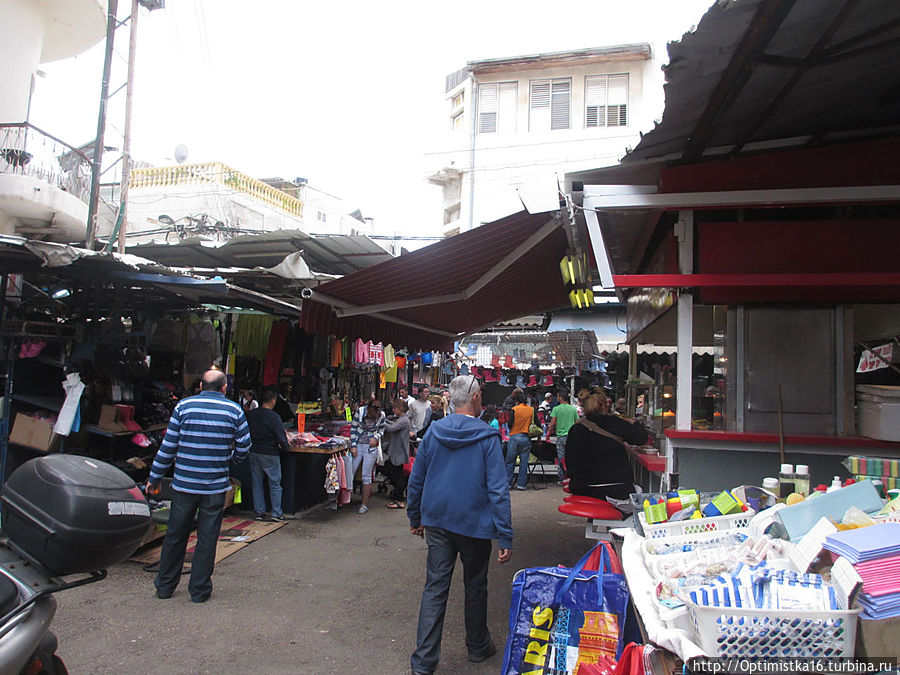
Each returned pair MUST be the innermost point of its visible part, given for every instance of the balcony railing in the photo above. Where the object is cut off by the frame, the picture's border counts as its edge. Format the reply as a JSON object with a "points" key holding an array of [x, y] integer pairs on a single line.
{"points": [[218, 173], [28, 151]]}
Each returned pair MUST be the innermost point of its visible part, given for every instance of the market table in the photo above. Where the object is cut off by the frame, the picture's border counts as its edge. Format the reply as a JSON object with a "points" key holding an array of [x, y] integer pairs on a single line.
{"points": [[303, 475]]}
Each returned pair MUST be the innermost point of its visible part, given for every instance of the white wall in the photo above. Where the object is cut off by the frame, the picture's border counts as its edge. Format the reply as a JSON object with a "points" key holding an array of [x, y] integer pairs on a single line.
{"points": [[505, 161]]}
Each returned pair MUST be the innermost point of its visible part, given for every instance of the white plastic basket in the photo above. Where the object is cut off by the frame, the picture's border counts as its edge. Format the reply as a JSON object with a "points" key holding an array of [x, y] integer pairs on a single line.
{"points": [[706, 537], [773, 633], [697, 526]]}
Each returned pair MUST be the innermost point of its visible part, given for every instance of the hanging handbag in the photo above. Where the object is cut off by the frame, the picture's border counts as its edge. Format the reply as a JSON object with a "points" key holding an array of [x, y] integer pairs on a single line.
{"points": [[379, 458], [559, 618]]}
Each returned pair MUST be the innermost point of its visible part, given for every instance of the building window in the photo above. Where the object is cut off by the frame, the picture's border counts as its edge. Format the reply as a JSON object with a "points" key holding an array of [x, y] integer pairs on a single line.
{"points": [[457, 101], [456, 122], [606, 100], [549, 104], [497, 107], [321, 216]]}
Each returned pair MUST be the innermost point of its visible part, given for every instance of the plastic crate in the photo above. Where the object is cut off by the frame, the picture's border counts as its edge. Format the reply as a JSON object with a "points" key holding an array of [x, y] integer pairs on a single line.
{"points": [[773, 633], [708, 537], [697, 526]]}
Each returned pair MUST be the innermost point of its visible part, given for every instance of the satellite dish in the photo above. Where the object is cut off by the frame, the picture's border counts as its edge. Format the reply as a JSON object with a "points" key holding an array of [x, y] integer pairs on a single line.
{"points": [[181, 153]]}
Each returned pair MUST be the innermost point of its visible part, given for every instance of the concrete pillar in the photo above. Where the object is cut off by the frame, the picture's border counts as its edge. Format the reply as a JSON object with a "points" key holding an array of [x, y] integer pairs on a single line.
{"points": [[21, 44]]}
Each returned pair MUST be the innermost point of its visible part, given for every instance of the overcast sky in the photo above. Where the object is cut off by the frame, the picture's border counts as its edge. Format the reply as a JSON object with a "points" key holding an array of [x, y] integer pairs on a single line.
{"points": [[349, 95]]}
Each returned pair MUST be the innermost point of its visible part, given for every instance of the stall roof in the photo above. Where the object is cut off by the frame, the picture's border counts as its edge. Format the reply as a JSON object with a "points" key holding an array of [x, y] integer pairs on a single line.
{"points": [[766, 74], [768, 93], [428, 298], [55, 263], [334, 254]]}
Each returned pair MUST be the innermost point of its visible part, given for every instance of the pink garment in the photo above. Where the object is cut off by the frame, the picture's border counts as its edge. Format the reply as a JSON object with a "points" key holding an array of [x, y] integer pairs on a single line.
{"points": [[342, 472], [361, 352]]}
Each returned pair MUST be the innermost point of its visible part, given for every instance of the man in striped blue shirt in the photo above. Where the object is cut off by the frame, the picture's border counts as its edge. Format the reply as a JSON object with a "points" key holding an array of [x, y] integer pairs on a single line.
{"points": [[206, 433]]}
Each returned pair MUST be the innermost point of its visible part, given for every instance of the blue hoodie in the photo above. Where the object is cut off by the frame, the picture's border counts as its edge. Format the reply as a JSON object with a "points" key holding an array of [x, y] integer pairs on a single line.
{"points": [[459, 483]]}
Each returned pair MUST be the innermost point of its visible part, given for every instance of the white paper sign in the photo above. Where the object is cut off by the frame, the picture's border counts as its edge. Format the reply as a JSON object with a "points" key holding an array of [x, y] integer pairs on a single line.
{"points": [[876, 358]]}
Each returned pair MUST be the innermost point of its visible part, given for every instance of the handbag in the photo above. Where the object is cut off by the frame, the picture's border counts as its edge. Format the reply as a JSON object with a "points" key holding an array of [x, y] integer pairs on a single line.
{"points": [[561, 618], [379, 458]]}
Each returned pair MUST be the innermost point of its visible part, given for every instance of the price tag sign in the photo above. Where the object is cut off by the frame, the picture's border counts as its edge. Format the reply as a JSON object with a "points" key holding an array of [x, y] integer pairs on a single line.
{"points": [[876, 358]]}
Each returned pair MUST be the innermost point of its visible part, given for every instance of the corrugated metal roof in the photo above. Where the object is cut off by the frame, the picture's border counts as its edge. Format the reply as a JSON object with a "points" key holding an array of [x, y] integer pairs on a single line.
{"points": [[758, 71], [336, 254]]}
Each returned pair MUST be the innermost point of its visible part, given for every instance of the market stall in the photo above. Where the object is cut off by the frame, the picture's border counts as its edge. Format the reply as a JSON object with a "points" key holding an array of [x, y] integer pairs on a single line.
{"points": [[809, 576]]}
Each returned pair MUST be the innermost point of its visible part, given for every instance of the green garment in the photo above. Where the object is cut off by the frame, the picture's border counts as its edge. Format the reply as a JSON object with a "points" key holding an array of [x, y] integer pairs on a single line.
{"points": [[251, 335], [565, 415]]}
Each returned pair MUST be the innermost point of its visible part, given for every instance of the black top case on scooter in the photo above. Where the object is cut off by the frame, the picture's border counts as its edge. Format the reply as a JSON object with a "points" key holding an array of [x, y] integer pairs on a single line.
{"points": [[73, 514]]}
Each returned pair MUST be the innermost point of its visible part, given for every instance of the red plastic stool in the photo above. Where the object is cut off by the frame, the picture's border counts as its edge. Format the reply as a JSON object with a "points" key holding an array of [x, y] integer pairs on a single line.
{"points": [[601, 516], [565, 485]]}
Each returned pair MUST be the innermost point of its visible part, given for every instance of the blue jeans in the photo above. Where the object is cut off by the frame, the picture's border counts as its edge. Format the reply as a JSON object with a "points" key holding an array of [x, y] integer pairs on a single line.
{"points": [[518, 444], [270, 466], [181, 517], [443, 547], [561, 455]]}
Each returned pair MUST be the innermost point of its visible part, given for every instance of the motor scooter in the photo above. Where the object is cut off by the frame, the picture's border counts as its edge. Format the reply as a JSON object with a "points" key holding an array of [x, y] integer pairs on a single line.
{"points": [[65, 519], [27, 645]]}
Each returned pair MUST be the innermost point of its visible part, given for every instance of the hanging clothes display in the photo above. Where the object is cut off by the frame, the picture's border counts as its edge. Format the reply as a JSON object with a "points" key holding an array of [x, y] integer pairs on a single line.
{"points": [[251, 335], [203, 348], [277, 338]]}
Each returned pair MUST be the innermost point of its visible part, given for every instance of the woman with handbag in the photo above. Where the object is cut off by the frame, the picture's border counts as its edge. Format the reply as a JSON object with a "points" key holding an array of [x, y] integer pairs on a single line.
{"points": [[521, 418], [366, 431], [396, 450], [596, 457]]}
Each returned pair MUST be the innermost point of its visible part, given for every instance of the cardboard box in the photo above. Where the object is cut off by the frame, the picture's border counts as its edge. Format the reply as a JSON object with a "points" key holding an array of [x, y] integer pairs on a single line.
{"points": [[231, 495], [33, 433], [879, 638]]}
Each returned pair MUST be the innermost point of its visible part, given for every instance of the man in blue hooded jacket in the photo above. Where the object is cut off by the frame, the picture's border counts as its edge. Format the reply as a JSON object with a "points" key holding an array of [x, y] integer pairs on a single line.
{"points": [[458, 499]]}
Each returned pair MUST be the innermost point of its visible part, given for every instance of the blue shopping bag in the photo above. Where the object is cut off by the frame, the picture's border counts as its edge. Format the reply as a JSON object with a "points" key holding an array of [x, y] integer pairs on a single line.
{"points": [[560, 618]]}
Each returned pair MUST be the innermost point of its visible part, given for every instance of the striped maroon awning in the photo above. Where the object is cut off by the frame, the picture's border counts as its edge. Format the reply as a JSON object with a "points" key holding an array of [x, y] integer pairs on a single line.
{"points": [[517, 256]]}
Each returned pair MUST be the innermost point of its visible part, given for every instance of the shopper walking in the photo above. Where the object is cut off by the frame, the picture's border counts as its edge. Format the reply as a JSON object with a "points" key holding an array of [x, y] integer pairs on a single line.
{"points": [[206, 432], [419, 409], [459, 501], [268, 438], [562, 417], [521, 418], [366, 431], [396, 450], [436, 413]]}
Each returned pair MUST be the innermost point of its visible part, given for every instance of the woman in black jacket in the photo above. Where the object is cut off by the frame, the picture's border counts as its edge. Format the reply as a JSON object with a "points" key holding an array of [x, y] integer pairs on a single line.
{"points": [[596, 458]]}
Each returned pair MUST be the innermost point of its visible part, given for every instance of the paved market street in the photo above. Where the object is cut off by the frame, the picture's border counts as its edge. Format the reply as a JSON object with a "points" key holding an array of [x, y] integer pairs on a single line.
{"points": [[329, 593]]}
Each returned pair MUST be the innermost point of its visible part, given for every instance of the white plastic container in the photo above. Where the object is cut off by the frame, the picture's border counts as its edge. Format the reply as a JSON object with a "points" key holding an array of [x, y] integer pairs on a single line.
{"points": [[878, 411], [695, 526], [773, 633]]}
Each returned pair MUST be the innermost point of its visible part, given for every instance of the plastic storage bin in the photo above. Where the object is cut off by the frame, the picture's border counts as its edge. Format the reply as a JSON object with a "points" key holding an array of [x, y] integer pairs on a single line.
{"points": [[773, 633], [682, 527], [73, 514]]}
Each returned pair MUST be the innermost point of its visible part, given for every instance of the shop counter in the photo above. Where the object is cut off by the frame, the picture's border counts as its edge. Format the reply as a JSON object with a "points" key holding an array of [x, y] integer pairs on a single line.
{"points": [[722, 459], [652, 465]]}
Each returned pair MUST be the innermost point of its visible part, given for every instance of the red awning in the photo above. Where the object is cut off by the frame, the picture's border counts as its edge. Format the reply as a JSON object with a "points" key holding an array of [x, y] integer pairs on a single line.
{"points": [[427, 298]]}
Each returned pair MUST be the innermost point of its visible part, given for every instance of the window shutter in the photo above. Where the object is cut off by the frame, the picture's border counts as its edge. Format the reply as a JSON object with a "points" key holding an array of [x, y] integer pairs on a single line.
{"points": [[560, 104], [506, 107], [595, 94], [617, 107], [487, 108], [539, 105]]}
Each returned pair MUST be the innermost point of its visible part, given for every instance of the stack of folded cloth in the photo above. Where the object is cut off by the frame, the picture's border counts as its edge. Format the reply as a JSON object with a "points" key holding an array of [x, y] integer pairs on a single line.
{"points": [[874, 552]]}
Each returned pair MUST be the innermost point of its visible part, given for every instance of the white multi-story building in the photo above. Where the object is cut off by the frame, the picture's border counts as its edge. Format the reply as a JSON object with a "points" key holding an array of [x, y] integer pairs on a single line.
{"points": [[520, 120], [44, 182]]}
